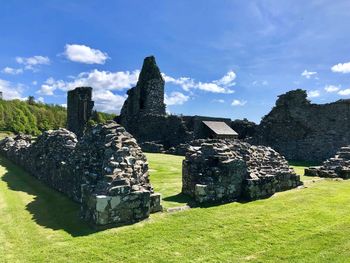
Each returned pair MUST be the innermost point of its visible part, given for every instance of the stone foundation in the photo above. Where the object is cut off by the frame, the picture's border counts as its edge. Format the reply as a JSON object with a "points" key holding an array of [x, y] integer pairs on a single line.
{"points": [[105, 171], [219, 170], [338, 166]]}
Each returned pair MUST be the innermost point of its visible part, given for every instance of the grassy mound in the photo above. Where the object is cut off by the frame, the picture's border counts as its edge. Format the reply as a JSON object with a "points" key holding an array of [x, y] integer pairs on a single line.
{"points": [[301, 225]]}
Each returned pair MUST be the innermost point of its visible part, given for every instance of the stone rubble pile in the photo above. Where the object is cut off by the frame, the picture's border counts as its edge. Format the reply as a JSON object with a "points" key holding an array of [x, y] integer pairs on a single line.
{"points": [[225, 170], [105, 171], [337, 166]]}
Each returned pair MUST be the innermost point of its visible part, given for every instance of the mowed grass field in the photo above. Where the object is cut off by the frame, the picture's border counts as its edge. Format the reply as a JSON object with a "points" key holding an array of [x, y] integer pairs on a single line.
{"points": [[312, 224]]}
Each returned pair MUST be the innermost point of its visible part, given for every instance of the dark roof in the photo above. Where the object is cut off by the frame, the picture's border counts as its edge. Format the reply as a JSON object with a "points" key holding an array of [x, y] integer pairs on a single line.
{"points": [[220, 128]]}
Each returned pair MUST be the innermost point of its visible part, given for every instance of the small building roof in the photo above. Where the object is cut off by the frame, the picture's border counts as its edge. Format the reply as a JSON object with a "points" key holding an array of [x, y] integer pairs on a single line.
{"points": [[220, 128]]}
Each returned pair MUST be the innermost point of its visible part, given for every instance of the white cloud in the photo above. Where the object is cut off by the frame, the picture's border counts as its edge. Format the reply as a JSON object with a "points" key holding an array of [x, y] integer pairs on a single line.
{"points": [[34, 82], [216, 86], [103, 84], [331, 88], [107, 101], [308, 74], [313, 93], [85, 54], [175, 98], [344, 92], [238, 102], [96, 79], [12, 71], [32, 63], [10, 91], [341, 68]]}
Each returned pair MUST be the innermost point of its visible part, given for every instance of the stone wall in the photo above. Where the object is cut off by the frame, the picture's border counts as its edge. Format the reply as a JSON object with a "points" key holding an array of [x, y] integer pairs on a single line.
{"points": [[105, 171], [304, 131], [79, 109], [225, 170], [337, 166]]}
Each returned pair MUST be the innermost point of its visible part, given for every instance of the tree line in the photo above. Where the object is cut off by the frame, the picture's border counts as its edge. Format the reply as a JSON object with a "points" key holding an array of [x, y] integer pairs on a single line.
{"points": [[33, 117]]}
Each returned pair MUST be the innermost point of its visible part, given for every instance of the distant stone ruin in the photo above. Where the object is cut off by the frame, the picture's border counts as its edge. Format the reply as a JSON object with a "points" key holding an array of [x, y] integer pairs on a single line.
{"points": [[79, 109], [105, 171], [337, 166], [304, 131], [144, 116], [225, 170]]}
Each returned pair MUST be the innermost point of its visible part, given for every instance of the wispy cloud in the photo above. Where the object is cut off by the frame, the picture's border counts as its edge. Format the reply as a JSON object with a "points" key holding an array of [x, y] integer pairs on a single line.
{"points": [[221, 85], [236, 102], [32, 63], [331, 88], [218, 101], [308, 74], [12, 71]]}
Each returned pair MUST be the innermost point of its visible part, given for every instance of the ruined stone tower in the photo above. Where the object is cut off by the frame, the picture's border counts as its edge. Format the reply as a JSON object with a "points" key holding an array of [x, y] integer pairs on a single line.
{"points": [[148, 95], [79, 109]]}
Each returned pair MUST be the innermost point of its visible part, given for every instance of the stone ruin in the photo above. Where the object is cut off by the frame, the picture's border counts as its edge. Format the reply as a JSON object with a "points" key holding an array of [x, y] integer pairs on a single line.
{"points": [[303, 131], [225, 170], [105, 171], [144, 116], [337, 166], [79, 109]]}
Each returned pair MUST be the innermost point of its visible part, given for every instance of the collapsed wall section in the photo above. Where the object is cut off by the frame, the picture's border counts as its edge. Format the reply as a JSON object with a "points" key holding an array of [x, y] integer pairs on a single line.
{"points": [[105, 171], [337, 166], [225, 170]]}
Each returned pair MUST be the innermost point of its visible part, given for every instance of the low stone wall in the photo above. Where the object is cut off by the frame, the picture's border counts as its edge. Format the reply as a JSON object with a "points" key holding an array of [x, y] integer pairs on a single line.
{"points": [[220, 170], [337, 166], [105, 171]]}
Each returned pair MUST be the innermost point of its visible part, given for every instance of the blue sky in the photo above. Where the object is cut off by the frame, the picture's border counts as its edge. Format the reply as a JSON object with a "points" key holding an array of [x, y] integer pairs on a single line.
{"points": [[219, 58]]}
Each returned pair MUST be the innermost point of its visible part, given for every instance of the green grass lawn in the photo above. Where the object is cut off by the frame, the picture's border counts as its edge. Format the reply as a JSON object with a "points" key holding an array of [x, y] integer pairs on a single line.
{"points": [[300, 225]]}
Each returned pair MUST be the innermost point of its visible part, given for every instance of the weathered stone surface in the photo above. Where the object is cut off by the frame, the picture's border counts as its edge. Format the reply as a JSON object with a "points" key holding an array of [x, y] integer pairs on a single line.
{"points": [[224, 170], [337, 166], [304, 131], [79, 109], [105, 171]]}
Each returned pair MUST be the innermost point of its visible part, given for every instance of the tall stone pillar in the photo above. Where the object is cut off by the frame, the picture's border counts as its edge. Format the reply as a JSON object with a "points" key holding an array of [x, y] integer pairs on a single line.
{"points": [[79, 109]]}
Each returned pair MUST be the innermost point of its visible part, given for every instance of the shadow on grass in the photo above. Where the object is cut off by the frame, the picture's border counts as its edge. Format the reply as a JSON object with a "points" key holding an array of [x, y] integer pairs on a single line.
{"points": [[49, 208], [303, 163], [180, 198]]}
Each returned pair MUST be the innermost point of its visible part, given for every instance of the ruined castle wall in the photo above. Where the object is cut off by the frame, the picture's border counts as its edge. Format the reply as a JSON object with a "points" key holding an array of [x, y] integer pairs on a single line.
{"points": [[304, 131], [105, 171]]}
